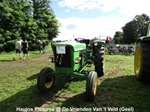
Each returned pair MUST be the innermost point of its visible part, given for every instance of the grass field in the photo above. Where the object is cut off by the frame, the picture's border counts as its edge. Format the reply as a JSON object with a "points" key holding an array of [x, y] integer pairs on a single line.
{"points": [[117, 91]]}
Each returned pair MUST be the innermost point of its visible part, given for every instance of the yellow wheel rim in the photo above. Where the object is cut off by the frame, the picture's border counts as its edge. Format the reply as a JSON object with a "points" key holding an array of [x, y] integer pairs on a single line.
{"points": [[137, 61], [49, 80], [95, 86]]}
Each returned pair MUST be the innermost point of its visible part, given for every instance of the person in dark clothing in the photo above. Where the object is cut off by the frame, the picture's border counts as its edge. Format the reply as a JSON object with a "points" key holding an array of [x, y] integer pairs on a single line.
{"points": [[25, 49]]}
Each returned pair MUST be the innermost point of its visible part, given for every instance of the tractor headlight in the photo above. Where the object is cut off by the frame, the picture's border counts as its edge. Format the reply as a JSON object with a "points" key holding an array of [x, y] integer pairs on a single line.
{"points": [[51, 59], [77, 60], [96, 44]]}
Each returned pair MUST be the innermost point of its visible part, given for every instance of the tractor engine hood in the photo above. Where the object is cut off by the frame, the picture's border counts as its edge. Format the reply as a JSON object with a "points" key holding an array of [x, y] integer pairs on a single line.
{"points": [[75, 45]]}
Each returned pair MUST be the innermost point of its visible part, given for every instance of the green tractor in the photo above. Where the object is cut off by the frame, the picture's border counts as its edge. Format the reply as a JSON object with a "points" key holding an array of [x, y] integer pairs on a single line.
{"points": [[70, 60], [142, 58]]}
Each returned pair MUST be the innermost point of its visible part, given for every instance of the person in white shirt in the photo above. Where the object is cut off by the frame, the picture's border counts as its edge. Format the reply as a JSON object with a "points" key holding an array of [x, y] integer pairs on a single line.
{"points": [[18, 48]]}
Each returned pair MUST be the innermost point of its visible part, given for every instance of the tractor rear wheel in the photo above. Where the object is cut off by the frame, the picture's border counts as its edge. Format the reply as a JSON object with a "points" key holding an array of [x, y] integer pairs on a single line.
{"points": [[45, 80], [99, 60], [142, 61], [91, 86]]}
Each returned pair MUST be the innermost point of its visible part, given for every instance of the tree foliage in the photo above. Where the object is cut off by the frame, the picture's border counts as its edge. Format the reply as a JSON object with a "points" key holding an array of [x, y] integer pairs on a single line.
{"points": [[118, 37], [136, 28], [30, 19]]}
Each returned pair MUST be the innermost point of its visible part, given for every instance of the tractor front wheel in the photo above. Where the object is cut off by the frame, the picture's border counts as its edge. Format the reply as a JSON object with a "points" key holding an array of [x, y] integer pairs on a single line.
{"points": [[91, 86], [45, 80], [142, 61]]}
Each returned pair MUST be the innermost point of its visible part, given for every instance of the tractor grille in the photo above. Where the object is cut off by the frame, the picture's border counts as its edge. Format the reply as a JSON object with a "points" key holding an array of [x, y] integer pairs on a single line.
{"points": [[63, 60]]}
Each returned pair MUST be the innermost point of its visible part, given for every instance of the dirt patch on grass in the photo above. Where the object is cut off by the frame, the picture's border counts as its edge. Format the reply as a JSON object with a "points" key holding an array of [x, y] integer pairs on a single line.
{"points": [[34, 61]]}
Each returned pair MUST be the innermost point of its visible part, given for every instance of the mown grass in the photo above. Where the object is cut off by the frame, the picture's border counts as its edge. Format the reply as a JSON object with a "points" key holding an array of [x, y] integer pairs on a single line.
{"points": [[118, 88]]}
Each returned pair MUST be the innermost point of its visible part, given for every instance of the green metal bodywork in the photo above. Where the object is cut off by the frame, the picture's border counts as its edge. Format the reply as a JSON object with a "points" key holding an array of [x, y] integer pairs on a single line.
{"points": [[75, 49], [75, 45], [66, 55]]}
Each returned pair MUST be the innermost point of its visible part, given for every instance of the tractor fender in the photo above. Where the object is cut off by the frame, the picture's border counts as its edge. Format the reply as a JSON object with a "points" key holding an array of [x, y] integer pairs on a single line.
{"points": [[144, 38], [99, 42]]}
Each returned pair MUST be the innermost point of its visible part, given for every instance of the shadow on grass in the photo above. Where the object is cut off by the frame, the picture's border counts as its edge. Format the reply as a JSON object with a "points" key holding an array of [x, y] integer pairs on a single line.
{"points": [[35, 53], [6, 60], [123, 91], [30, 97], [24, 98], [32, 77]]}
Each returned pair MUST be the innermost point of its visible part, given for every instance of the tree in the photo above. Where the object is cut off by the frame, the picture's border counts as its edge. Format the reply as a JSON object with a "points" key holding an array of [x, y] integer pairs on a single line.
{"points": [[46, 20], [5, 19], [12, 23], [142, 24], [135, 28], [30, 19], [118, 37], [129, 31]]}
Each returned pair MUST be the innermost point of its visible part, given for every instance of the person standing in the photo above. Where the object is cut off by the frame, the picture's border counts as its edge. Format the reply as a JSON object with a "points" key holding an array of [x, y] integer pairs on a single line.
{"points": [[18, 49], [25, 47], [39, 44], [44, 47]]}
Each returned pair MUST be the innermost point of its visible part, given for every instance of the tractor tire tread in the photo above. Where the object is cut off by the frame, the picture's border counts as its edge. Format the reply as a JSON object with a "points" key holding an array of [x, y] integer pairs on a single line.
{"points": [[144, 75]]}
